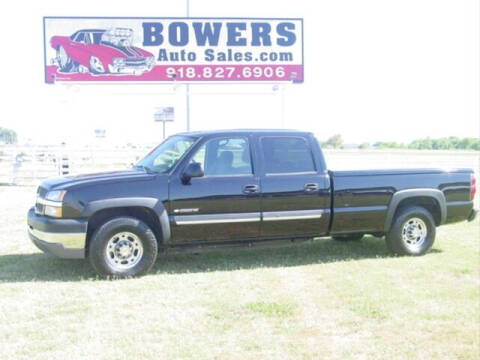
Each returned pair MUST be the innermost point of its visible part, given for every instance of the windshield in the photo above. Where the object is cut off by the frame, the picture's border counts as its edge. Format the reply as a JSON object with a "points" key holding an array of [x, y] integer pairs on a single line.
{"points": [[166, 155]]}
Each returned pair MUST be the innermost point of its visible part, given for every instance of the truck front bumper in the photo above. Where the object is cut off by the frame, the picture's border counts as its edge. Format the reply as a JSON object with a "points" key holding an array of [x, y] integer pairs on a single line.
{"points": [[64, 238], [129, 69]]}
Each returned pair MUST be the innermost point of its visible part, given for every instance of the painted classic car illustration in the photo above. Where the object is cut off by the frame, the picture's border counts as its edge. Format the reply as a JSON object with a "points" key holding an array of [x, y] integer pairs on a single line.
{"points": [[98, 51]]}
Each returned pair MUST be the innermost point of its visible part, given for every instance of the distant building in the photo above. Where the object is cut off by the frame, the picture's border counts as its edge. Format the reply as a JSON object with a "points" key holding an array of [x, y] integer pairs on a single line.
{"points": [[351, 146]]}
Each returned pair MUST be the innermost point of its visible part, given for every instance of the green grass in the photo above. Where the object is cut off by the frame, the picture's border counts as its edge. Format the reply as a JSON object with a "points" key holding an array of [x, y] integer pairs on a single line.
{"points": [[271, 309], [317, 300]]}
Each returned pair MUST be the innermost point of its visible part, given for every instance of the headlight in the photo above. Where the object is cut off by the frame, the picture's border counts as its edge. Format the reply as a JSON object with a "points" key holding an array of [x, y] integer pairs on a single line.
{"points": [[118, 62], [55, 211], [53, 203], [150, 60], [56, 195]]}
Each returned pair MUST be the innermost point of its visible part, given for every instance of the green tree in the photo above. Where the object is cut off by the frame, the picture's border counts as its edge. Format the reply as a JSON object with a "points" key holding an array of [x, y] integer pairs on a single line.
{"points": [[451, 142], [335, 142], [389, 145]]}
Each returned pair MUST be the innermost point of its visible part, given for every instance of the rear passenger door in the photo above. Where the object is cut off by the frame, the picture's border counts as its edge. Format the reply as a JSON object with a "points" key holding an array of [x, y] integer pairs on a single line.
{"points": [[295, 187]]}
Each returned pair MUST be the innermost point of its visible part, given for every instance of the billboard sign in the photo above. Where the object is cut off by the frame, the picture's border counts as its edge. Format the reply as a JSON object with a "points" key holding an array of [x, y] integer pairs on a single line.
{"points": [[108, 49]]}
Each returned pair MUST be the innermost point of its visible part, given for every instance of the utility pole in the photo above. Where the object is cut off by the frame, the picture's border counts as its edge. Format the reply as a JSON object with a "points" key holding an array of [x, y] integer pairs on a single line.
{"points": [[187, 89], [280, 89]]}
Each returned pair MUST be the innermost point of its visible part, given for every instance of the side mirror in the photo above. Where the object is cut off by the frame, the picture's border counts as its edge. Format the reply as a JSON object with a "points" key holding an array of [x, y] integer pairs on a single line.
{"points": [[192, 170]]}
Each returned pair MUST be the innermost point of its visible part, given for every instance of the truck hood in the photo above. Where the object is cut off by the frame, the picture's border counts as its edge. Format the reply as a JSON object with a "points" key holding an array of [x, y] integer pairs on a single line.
{"points": [[66, 182]]}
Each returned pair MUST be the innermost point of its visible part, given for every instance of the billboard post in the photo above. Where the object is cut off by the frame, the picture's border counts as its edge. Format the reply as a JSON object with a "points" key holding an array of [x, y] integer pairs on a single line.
{"points": [[188, 85]]}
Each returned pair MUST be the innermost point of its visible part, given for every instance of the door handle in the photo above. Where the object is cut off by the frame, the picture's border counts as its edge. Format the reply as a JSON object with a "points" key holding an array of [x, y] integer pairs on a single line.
{"points": [[311, 187], [250, 189]]}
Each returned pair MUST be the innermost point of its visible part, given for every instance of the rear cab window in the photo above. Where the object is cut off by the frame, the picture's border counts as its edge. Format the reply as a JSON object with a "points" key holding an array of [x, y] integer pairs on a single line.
{"points": [[287, 155]]}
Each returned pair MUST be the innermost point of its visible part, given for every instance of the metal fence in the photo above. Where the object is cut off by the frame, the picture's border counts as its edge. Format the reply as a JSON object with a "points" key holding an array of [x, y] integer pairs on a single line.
{"points": [[28, 165], [378, 159]]}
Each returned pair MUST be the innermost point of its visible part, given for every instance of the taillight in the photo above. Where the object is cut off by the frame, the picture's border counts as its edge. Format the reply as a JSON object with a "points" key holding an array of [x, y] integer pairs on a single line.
{"points": [[473, 186]]}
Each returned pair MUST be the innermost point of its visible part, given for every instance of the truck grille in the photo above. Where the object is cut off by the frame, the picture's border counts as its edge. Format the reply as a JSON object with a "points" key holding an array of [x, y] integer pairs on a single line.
{"points": [[135, 62], [40, 208]]}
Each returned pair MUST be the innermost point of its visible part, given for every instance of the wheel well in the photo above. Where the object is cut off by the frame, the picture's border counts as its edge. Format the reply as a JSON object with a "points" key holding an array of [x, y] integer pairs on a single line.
{"points": [[147, 215], [426, 202]]}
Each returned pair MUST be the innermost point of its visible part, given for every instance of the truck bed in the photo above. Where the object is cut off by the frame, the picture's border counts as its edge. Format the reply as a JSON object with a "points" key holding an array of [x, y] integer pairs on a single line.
{"points": [[361, 198]]}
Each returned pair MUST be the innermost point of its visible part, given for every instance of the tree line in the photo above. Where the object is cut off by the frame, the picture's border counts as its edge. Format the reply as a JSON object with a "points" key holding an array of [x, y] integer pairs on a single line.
{"points": [[446, 143], [8, 136]]}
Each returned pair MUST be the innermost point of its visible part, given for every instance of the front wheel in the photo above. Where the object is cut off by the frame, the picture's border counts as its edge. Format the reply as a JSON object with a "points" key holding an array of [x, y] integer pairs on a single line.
{"points": [[412, 232], [122, 247], [96, 66]]}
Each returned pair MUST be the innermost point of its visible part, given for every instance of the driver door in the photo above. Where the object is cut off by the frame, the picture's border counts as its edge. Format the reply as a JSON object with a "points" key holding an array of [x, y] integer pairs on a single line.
{"points": [[224, 204]]}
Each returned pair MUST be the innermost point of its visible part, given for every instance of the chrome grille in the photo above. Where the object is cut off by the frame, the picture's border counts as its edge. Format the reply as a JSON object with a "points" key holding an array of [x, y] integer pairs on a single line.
{"points": [[135, 62], [40, 208]]}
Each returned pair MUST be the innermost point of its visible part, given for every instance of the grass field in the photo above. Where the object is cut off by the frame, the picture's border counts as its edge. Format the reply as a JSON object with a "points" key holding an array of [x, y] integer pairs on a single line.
{"points": [[317, 300]]}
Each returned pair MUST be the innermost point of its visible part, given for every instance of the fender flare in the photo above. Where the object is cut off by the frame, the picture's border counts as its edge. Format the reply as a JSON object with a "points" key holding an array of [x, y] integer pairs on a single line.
{"points": [[147, 202], [401, 195]]}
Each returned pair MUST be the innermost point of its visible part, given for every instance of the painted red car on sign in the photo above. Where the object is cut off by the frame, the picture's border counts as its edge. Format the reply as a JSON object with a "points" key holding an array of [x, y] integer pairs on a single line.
{"points": [[100, 51]]}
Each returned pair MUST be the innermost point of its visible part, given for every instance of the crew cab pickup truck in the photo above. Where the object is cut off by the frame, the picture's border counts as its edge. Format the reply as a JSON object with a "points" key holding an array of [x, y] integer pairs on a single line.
{"points": [[235, 187]]}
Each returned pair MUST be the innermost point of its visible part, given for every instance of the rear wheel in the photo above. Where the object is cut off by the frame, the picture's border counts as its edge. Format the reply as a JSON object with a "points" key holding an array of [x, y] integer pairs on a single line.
{"points": [[122, 247], [65, 63], [348, 237], [412, 232]]}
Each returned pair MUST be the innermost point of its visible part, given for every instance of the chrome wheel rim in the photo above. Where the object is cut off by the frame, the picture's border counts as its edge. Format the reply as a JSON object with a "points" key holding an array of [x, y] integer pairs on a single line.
{"points": [[82, 69], [414, 233], [124, 250], [96, 64]]}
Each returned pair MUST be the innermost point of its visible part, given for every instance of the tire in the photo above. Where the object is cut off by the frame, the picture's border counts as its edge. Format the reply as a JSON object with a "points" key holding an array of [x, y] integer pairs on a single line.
{"points": [[65, 63], [412, 232], [348, 237], [123, 247], [93, 70]]}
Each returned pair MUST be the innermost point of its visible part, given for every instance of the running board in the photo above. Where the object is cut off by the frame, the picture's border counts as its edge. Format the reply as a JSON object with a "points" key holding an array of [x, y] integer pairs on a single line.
{"points": [[212, 246]]}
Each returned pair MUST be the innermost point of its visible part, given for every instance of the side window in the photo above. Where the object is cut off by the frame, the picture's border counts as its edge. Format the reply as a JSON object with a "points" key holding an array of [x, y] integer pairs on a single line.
{"points": [[80, 37], [88, 39], [283, 155], [225, 156]]}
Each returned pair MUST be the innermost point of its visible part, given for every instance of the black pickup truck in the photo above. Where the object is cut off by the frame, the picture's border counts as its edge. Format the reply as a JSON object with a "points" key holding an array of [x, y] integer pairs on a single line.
{"points": [[239, 187]]}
